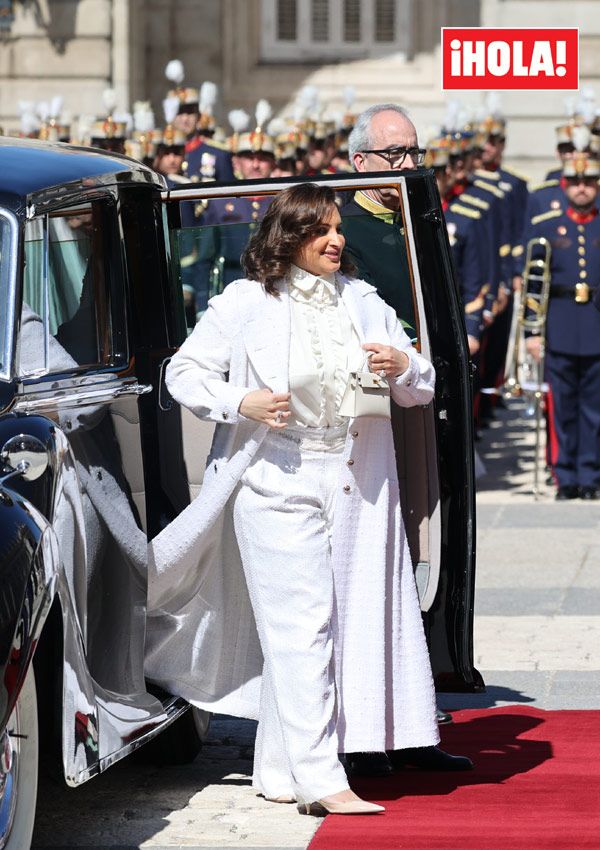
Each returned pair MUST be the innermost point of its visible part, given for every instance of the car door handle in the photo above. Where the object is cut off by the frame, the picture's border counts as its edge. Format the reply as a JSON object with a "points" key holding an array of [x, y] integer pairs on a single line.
{"points": [[165, 400], [79, 397], [132, 389]]}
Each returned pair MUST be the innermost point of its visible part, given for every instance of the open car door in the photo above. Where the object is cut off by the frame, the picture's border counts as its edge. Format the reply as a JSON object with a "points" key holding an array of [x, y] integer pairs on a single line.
{"points": [[434, 444]]}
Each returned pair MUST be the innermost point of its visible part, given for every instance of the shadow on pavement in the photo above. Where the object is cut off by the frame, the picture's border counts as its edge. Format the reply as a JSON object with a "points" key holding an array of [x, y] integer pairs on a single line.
{"points": [[507, 449], [491, 697], [134, 801], [494, 743]]}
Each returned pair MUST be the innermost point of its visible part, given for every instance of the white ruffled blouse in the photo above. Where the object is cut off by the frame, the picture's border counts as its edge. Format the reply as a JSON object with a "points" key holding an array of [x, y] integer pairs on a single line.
{"points": [[324, 348]]}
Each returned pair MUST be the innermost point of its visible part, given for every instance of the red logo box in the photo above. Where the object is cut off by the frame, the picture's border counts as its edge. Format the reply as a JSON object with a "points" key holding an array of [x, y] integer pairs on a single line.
{"points": [[507, 59]]}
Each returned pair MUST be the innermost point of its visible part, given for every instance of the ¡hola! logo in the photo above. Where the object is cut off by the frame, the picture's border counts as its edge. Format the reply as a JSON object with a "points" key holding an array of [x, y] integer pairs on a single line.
{"points": [[527, 59]]}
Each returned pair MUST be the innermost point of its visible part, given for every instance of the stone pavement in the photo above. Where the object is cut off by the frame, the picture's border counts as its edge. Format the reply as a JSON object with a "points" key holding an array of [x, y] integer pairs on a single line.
{"points": [[537, 639]]}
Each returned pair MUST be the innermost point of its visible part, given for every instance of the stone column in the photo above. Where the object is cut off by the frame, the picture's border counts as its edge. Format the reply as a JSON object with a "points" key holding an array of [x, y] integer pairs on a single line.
{"points": [[128, 51]]}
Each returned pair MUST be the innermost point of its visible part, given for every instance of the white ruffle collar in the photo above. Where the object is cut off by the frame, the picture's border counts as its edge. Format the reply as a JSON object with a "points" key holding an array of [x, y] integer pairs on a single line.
{"points": [[307, 287]]}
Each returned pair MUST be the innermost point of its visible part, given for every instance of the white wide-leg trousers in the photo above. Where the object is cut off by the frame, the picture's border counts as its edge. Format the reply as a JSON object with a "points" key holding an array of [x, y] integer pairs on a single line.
{"points": [[283, 516]]}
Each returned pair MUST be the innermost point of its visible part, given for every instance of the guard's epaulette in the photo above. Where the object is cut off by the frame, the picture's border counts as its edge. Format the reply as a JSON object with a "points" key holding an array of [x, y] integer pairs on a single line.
{"points": [[515, 173], [477, 202], [488, 175], [545, 216], [215, 143], [489, 188], [545, 184], [462, 210]]}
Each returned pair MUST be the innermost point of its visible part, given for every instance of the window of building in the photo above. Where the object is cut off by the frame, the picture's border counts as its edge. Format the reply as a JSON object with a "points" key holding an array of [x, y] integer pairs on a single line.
{"points": [[352, 21], [304, 30], [385, 21], [287, 16]]}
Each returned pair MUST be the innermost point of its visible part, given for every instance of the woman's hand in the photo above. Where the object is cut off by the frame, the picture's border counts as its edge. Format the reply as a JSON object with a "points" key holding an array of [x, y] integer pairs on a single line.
{"points": [[387, 360], [266, 407]]}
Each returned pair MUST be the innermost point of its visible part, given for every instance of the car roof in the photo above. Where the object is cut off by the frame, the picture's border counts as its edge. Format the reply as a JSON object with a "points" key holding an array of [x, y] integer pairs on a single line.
{"points": [[28, 167]]}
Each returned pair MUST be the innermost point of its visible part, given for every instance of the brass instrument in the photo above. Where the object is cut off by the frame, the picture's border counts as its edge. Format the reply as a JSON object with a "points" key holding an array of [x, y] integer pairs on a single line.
{"points": [[523, 374]]}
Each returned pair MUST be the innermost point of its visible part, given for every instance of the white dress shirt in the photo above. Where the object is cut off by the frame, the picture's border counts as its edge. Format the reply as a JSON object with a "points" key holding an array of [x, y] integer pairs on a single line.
{"points": [[324, 348]]}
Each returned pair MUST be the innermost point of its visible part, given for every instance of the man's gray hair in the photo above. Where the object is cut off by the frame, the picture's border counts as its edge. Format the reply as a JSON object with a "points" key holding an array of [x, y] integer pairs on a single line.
{"points": [[360, 137]]}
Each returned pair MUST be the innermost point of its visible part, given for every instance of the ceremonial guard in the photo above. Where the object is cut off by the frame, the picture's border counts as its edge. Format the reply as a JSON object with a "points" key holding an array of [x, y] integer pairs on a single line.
{"points": [[110, 133], [228, 222], [572, 349], [321, 149], [461, 189], [488, 168], [142, 143], [170, 148], [550, 193], [466, 234], [54, 127], [493, 131], [287, 141], [579, 113], [205, 159]]}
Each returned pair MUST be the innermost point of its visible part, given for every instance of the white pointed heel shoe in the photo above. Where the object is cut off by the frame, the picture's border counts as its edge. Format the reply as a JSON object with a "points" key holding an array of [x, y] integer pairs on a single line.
{"points": [[320, 808]]}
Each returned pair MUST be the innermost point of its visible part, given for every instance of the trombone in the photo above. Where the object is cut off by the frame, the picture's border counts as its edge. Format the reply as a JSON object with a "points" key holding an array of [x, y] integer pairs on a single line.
{"points": [[523, 374]]}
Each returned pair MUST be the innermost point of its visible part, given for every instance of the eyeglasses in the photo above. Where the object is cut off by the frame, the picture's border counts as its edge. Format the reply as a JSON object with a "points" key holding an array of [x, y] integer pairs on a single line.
{"points": [[396, 156]]}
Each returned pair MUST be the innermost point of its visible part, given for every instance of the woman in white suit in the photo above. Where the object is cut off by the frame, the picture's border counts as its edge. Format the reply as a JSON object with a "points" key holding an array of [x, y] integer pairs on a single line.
{"points": [[312, 500]]}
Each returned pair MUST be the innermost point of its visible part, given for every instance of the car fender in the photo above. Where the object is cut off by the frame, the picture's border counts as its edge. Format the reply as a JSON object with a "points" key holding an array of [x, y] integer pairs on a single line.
{"points": [[34, 576]]}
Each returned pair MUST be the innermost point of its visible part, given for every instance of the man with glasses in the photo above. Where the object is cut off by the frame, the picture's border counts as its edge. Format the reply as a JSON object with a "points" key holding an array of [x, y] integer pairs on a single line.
{"points": [[383, 139]]}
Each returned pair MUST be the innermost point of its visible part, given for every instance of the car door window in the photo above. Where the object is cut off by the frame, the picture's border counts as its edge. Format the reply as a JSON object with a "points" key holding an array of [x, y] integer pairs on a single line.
{"points": [[206, 252], [8, 255], [73, 289]]}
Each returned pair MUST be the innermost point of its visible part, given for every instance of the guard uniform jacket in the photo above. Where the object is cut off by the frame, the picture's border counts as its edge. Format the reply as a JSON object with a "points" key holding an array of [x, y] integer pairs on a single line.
{"points": [[206, 162], [515, 185], [573, 326], [466, 234], [227, 224], [548, 195], [487, 185], [486, 199]]}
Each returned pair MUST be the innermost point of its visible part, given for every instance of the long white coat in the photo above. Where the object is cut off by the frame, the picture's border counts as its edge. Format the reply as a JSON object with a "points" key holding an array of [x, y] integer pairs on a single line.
{"points": [[202, 641]]}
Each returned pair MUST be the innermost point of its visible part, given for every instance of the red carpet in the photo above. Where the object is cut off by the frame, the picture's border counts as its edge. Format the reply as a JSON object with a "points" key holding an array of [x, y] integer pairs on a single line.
{"points": [[536, 786]]}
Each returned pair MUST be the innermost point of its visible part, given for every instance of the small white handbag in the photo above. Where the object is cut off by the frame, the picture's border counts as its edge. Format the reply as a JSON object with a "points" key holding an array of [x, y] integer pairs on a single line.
{"points": [[366, 394]]}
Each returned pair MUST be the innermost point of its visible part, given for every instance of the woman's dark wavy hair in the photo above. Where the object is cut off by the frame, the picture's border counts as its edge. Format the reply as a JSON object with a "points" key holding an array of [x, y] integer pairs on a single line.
{"points": [[292, 219]]}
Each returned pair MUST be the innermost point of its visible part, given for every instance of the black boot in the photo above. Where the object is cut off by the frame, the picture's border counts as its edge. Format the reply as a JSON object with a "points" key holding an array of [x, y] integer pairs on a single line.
{"points": [[567, 491], [427, 758], [368, 764]]}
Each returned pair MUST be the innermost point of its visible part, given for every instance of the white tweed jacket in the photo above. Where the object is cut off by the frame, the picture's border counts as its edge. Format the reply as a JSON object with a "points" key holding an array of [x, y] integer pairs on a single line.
{"points": [[202, 639]]}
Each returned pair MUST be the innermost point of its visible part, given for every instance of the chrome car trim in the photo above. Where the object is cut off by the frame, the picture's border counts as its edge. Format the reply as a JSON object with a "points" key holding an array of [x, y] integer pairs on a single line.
{"points": [[356, 181], [146, 728], [76, 398], [6, 366], [24, 455], [9, 767], [45, 283]]}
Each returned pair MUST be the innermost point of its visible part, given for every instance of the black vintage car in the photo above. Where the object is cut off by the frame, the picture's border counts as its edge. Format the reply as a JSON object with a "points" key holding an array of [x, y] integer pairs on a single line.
{"points": [[96, 458]]}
